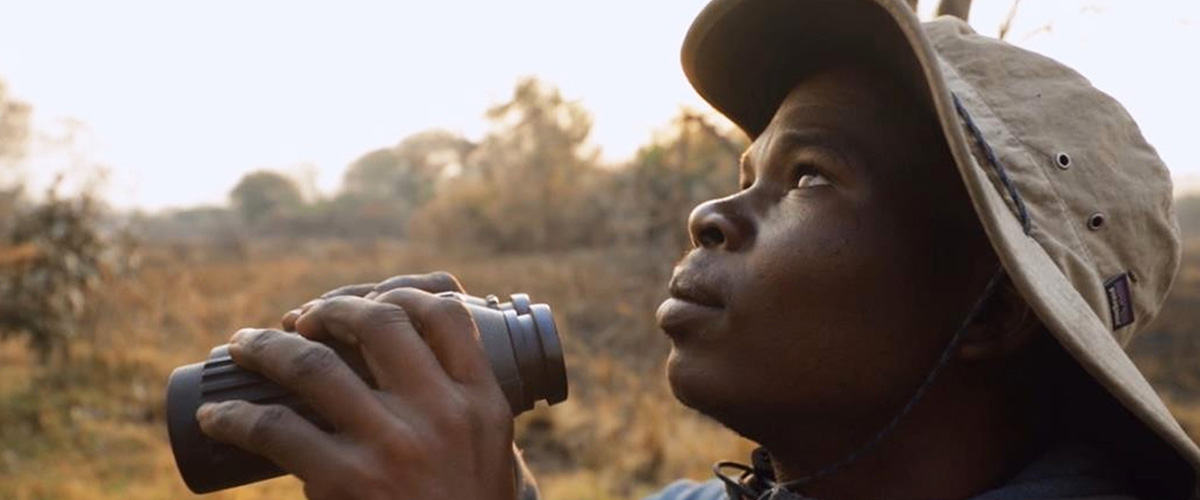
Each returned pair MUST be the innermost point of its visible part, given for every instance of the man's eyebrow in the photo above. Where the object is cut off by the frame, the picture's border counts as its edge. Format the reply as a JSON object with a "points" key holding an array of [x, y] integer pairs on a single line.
{"points": [[787, 137], [819, 136]]}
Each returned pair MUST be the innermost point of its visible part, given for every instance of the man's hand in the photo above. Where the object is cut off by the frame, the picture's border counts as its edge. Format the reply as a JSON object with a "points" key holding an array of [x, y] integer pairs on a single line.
{"points": [[435, 282], [438, 425]]}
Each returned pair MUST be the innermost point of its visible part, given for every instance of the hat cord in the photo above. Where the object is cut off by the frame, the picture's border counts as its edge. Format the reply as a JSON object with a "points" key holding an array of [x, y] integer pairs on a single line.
{"points": [[739, 485], [1022, 212]]}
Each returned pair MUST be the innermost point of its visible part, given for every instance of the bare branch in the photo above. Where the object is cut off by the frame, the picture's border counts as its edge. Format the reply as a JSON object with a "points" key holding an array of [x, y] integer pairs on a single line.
{"points": [[1007, 24], [957, 8]]}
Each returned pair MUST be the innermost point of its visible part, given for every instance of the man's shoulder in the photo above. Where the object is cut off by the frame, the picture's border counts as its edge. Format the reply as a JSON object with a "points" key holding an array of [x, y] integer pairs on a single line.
{"points": [[691, 490]]}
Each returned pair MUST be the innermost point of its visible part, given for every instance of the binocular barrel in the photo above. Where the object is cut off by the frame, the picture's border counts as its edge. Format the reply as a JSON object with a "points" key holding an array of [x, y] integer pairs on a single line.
{"points": [[519, 337]]}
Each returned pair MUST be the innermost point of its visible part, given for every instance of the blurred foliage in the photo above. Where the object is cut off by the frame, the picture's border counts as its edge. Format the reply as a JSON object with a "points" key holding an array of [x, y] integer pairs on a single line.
{"points": [[264, 194], [1187, 211], [532, 183], [54, 256], [14, 127], [407, 173], [382, 189], [692, 162]]}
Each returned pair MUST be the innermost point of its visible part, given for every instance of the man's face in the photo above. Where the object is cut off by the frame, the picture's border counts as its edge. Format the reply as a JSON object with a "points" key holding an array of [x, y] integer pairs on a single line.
{"points": [[821, 293]]}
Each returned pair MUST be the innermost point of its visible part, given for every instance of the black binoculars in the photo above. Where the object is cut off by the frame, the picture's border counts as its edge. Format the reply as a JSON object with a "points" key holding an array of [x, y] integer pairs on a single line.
{"points": [[519, 337]]}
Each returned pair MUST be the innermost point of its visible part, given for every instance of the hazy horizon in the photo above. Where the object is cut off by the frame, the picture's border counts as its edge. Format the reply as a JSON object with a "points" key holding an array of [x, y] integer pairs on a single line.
{"points": [[179, 102]]}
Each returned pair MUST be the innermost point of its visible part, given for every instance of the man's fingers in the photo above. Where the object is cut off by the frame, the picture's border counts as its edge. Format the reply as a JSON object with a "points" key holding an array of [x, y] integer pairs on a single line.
{"points": [[313, 371], [275, 432], [398, 357], [288, 321], [435, 282], [358, 290], [449, 331]]}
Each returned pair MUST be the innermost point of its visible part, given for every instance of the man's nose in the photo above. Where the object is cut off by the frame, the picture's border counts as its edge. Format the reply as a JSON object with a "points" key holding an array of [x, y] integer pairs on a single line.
{"points": [[720, 225]]}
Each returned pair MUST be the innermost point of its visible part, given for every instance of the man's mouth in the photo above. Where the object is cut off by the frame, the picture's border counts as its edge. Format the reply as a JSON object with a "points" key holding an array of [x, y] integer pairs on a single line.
{"points": [[688, 290], [691, 307]]}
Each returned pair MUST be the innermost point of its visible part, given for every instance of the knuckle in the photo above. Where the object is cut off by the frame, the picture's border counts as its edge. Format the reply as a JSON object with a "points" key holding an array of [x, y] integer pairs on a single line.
{"points": [[335, 309], [388, 284], [455, 414], [349, 290], [338, 303], [379, 314], [395, 296], [224, 415], [453, 309], [258, 342], [443, 278], [313, 360], [400, 443], [263, 432]]}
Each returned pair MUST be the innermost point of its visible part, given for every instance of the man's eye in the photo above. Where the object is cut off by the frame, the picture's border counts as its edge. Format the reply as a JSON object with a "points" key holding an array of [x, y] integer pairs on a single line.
{"points": [[812, 180]]}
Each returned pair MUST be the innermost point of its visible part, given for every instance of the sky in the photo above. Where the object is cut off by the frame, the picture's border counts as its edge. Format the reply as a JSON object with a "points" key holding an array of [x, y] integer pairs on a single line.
{"points": [[178, 100]]}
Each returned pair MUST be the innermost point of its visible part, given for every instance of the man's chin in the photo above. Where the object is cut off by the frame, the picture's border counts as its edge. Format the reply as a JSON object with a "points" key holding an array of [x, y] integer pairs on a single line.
{"points": [[700, 388], [711, 391]]}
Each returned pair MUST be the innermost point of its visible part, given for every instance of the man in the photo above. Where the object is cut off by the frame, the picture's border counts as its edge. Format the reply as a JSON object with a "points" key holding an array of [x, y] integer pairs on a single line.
{"points": [[920, 290]]}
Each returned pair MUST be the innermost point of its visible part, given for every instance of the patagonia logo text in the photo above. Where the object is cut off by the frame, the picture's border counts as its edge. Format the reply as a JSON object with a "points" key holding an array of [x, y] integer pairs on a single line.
{"points": [[1120, 300]]}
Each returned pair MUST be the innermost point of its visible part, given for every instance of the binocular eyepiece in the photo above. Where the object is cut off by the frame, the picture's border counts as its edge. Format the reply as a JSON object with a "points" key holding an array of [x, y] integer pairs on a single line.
{"points": [[519, 337]]}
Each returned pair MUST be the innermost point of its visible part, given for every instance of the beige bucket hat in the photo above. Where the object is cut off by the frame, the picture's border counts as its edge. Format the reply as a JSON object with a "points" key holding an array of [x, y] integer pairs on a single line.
{"points": [[1076, 203]]}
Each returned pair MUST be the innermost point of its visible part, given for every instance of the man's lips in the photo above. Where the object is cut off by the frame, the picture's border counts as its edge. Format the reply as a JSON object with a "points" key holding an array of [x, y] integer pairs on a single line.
{"points": [[688, 290], [690, 308]]}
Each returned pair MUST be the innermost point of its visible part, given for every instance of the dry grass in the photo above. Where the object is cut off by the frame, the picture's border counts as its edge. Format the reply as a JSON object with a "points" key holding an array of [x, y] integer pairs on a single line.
{"points": [[95, 429]]}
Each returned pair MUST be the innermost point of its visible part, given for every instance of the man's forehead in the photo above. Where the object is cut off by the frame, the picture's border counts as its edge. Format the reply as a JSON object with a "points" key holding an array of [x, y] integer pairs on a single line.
{"points": [[847, 106], [835, 106]]}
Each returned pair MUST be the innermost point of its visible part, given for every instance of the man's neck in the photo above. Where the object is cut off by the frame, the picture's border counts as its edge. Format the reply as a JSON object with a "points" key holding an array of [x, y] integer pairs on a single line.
{"points": [[955, 444]]}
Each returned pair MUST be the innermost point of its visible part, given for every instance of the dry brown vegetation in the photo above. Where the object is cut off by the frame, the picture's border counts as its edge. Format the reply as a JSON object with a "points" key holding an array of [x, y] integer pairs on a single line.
{"points": [[94, 428]]}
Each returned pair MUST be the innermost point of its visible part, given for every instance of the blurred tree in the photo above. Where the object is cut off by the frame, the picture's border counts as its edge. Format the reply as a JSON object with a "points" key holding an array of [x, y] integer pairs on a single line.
{"points": [[691, 162], [14, 142], [52, 261], [1006, 25], [529, 184], [1187, 212], [14, 127], [264, 194], [407, 173], [382, 189]]}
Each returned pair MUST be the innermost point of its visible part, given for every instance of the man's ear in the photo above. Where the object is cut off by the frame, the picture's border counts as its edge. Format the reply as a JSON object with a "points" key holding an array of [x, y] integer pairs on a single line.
{"points": [[1005, 326]]}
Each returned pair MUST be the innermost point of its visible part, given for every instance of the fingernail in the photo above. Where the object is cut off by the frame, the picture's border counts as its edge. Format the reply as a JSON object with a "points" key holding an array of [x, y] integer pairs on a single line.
{"points": [[243, 335], [205, 411]]}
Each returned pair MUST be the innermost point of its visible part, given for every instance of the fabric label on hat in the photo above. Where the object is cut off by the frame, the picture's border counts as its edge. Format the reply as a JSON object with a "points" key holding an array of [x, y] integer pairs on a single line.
{"points": [[1120, 300]]}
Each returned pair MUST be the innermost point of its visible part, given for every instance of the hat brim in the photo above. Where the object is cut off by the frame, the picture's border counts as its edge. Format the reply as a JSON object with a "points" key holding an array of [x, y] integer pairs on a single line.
{"points": [[743, 56]]}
